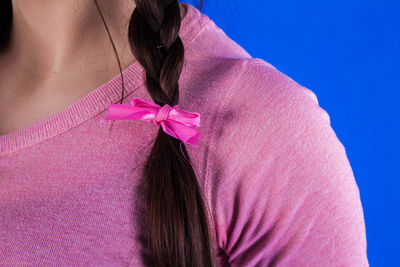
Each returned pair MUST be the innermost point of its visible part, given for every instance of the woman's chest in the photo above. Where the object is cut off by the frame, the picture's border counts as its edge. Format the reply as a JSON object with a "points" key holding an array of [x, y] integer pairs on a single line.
{"points": [[65, 207]]}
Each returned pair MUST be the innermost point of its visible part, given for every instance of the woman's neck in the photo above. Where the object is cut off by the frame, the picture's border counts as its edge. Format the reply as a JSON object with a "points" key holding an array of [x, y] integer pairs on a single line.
{"points": [[51, 36]]}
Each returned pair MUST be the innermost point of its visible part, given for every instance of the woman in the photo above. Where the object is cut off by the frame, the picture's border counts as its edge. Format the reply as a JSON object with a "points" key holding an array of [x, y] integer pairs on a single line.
{"points": [[100, 168]]}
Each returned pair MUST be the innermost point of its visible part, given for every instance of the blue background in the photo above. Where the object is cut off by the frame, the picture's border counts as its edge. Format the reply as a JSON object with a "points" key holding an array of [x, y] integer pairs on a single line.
{"points": [[348, 54]]}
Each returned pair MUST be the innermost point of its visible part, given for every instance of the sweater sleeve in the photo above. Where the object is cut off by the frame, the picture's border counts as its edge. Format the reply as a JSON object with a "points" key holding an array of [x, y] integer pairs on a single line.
{"points": [[279, 184]]}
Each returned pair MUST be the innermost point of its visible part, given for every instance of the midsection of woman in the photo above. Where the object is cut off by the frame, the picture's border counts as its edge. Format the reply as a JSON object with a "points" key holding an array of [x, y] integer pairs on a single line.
{"points": [[277, 187]]}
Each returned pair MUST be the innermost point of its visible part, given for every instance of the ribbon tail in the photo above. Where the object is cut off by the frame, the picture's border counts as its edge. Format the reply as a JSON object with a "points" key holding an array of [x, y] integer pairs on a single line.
{"points": [[187, 134], [125, 112]]}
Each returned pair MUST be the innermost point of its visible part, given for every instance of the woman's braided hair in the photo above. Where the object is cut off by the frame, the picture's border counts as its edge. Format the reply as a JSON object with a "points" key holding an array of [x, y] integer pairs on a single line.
{"points": [[178, 227]]}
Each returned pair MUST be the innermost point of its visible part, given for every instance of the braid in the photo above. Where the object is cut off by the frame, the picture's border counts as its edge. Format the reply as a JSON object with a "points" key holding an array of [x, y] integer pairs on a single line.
{"points": [[177, 225]]}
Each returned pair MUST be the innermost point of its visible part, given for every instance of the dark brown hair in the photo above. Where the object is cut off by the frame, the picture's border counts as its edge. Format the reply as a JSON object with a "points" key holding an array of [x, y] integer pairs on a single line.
{"points": [[177, 232], [178, 227]]}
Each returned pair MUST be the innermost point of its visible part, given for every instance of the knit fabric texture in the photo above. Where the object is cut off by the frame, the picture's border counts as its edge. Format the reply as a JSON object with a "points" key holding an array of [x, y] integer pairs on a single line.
{"points": [[276, 180]]}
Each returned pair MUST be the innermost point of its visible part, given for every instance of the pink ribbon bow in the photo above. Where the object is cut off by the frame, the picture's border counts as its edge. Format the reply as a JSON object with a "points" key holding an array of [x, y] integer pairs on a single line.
{"points": [[177, 123]]}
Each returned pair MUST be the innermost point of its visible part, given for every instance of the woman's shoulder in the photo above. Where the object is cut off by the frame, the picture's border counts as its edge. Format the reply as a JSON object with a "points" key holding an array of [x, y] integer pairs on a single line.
{"points": [[261, 86], [254, 96], [250, 110], [251, 86]]}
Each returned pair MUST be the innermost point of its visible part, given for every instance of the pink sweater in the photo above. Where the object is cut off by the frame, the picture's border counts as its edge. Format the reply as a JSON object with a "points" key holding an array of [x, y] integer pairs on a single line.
{"points": [[277, 181]]}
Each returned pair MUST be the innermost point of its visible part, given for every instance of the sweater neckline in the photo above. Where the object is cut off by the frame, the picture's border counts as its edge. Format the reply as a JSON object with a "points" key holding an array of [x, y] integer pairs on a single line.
{"points": [[98, 99]]}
